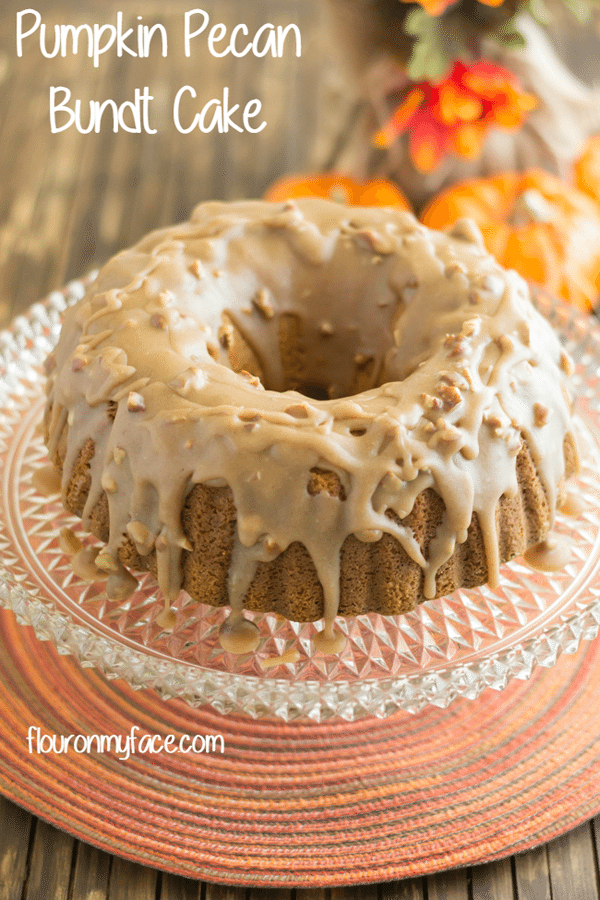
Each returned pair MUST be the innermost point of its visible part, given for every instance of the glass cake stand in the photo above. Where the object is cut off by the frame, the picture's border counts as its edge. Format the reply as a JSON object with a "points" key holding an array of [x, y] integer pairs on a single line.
{"points": [[453, 647]]}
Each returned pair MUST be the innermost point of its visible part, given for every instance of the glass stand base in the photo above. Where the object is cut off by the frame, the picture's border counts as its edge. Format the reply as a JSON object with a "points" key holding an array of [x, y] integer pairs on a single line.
{"points": [[446, 649]]}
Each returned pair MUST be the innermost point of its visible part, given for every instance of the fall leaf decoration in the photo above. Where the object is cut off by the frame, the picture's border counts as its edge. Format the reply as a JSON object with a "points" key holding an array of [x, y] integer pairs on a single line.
{"points": [[547, 230], [454, 114], [339, 188], [407, 54]]}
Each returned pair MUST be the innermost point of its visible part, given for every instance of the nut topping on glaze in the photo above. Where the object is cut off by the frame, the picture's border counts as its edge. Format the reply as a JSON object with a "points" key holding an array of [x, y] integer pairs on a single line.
{"points": [[249, 415], [158, 320], [445, 434], [471, 327], [455, 344], [459, 378], [263, 303], [197, 269], [494, 421], [254, 380], [467, 230], [431, 403], [455, 268], [193, 379], [450, 395], [166, 298], [225, 335], [494, 284], [135, 402], [298, 410], [541, 414], [373, 240]]}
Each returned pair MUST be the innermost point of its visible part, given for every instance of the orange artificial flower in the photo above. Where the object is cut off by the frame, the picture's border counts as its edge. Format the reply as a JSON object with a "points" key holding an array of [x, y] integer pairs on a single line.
{"points": [[437, 7], [454, 114]]}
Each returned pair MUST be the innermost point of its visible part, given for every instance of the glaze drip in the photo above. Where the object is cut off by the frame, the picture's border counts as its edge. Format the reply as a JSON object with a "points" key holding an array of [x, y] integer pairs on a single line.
{"points": [[549, 555]]}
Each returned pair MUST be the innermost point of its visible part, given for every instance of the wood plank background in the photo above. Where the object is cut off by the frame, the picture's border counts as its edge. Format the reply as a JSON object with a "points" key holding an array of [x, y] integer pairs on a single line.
{"points": [[67, 202], [71, 200]]}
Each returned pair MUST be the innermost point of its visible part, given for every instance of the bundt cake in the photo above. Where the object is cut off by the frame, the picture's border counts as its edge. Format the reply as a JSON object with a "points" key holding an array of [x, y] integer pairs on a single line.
{"points": [[309, 408]]}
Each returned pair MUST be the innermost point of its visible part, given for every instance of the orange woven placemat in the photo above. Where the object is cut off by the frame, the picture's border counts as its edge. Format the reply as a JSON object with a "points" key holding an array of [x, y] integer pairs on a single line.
{"points": [[302, 803]]}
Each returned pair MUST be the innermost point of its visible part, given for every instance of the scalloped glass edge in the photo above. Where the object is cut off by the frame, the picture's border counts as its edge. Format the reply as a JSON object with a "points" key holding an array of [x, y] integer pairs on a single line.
{"points": [[230, 693]]}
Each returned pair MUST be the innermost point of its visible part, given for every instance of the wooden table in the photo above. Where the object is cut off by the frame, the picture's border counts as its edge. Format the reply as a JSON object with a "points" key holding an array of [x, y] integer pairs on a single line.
{"points": [[70, 200]]}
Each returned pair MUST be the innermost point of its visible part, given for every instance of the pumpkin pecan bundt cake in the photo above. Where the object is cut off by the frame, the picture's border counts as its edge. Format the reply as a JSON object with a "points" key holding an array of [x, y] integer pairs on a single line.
{"points": [[309, 408]]}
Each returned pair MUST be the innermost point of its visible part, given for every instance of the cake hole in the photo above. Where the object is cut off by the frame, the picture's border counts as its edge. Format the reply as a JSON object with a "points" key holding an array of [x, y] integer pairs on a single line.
{"points": [[358, 432], [286, 351], [313, 391]]}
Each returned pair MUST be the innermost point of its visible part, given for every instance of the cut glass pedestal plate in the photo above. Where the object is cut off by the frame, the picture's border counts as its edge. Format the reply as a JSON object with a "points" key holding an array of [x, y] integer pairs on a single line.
{"points": [[448, 648]]}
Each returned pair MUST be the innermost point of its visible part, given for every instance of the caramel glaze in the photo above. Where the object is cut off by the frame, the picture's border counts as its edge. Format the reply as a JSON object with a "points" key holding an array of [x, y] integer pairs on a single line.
{"points": [[549, 555], [47, 481], [428, 363], [572, 505]]}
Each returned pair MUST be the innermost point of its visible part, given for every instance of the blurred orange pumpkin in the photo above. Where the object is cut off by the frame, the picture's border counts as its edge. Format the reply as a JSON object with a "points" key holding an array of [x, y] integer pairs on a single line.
{"points": [[547, 230], [587, 169], [340, 188]]}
